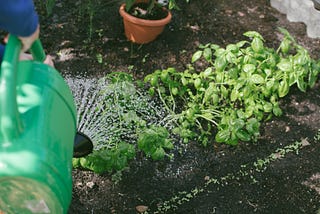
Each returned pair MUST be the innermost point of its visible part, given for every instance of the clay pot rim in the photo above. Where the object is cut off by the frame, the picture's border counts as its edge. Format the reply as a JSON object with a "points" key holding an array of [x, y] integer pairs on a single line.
{"points": [[145, 22]]}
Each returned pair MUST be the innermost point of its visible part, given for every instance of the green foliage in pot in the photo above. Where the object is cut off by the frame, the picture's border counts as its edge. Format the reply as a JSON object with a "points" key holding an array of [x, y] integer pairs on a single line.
{"points": [[239, 86], [150, 9]]}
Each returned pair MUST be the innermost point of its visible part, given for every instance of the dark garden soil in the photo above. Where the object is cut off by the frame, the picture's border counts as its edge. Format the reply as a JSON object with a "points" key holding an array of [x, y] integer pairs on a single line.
{"points": [[78, 31]]}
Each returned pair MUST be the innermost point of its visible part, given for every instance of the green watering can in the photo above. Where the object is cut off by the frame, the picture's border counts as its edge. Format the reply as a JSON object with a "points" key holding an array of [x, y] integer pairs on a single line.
{"points": [[37, 131]]}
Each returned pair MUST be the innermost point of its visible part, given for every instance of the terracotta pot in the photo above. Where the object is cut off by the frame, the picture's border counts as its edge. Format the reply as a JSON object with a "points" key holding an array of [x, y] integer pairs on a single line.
{"points": [[142, 31]]}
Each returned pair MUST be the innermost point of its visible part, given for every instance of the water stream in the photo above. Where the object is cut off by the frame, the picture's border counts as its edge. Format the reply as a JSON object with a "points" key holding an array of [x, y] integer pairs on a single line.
{"points": [[107, 112]]}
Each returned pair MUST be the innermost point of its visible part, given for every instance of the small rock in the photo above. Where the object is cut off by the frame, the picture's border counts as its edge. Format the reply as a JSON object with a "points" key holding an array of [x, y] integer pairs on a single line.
{"points": [[241, 14], [287, 129], [90, 184], [141, 208]]}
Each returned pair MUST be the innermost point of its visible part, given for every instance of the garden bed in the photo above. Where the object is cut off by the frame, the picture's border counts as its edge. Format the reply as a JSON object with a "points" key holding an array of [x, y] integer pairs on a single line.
{"points": [[279, 173]]}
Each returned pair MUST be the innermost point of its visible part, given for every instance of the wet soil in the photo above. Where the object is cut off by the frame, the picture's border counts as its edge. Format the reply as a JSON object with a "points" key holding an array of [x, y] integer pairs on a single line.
{"points": [[86, 37]]}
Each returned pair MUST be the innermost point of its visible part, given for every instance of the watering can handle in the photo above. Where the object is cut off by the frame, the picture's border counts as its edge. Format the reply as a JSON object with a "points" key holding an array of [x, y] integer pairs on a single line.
{"points": [[10, 123], [37, 51]]}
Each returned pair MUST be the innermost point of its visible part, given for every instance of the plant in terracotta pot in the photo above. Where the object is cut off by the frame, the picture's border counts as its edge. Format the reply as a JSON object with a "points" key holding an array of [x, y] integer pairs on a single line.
{"points": [[144, 20]]}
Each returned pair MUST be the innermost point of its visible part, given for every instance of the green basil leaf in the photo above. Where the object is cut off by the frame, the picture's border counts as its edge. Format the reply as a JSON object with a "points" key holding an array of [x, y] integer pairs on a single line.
{"points": [[224, 91], [312, 78], [276, 110], [267, 106], [257, 45], [285, 65], [283, 89], [231, 58], [241, 44], [168, 144], [253, 34], [243, 135], [292, 78], [232, 48], [220, 63], [219, 52], [257, 79], [207, 54], [207, 72], [158, 154], [285, 46], [234, 95], [222, 136], [238, 124], [215, 99], [196, 56], [302, 85], [184, 81], [249, 68], [252, 125]]}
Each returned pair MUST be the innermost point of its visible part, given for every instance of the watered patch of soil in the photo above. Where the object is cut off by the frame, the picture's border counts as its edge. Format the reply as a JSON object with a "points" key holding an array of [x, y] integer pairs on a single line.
{"points": [[86, 43]]}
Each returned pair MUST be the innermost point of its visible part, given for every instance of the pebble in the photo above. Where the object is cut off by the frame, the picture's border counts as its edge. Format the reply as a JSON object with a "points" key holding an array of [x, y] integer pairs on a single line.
{"points": [[141, 208]]}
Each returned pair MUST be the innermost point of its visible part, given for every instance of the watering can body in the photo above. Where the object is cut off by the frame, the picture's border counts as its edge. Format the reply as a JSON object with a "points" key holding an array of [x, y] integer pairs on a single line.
{"points": [[38, 126]]}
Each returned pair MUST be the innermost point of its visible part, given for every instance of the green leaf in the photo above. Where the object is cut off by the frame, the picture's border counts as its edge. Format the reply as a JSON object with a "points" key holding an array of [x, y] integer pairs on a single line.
{"points": [[267, 106], [219, 77], [224, 91], [285, 65], [257, 79], [232, 48], [283, 89], [129, 4], [234, 95], [215, 99], [241, 44], [214, 46], [231, 58], [252, 125], [292, 78], [243, 135], [158, 154], [168, 144], [120, 163], [276, 110], [253, 34], [285, 46], [184, 81], [208, 93], [207, 72], [197, 83], [285, 33], [196, 56], [312, 77], [257, 45], [207, 54], [219, 52], [223, 136], [238, 124], [220, 63], [249, 68], [302, 85]]}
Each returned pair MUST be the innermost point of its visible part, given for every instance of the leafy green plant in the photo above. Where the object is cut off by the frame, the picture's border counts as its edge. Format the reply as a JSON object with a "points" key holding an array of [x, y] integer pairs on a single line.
{"points": [[239, 86], [132, 122], [153, 141], [107, 160]]}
